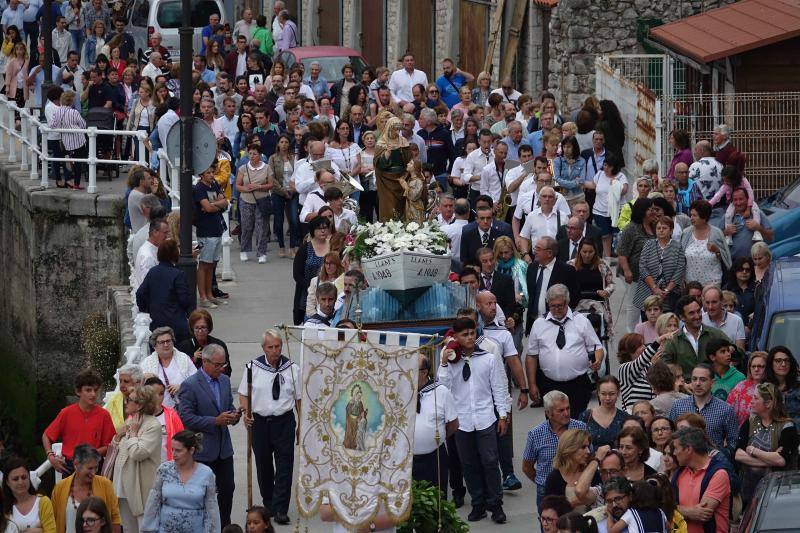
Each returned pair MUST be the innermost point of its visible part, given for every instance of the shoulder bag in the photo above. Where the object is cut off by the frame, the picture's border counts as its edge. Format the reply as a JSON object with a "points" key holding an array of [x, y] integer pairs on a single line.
{"points": [[263, 204]]}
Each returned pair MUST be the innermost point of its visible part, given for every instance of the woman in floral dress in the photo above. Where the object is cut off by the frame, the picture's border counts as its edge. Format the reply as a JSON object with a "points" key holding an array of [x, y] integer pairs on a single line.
{"points": [[184, 495]]}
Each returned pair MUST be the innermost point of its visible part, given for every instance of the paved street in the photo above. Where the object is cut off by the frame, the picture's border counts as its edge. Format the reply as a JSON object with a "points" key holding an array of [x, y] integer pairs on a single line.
{"points": [[261, 297]]}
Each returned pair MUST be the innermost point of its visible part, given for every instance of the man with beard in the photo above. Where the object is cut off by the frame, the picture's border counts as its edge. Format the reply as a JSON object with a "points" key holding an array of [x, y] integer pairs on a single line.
{"points": [[617, 492]]}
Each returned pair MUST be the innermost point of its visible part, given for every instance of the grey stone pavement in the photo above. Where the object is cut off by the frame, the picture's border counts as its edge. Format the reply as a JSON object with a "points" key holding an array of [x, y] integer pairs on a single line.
{"points": [[260, 297]]}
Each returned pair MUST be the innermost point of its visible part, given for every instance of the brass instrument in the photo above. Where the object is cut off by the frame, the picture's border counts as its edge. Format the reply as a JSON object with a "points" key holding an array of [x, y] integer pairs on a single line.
{"points": [[505, 197], [345, 183]]}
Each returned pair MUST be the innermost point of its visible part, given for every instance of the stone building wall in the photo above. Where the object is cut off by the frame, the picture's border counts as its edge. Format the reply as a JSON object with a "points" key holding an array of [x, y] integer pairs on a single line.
{"points": [[61, 251], [582, 29]]}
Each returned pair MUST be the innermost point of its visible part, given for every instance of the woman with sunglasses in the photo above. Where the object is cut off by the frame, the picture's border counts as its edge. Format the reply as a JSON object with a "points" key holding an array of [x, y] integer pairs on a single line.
{"points": [[741, 395], [741, 282], [782, 371], [767, 440]]}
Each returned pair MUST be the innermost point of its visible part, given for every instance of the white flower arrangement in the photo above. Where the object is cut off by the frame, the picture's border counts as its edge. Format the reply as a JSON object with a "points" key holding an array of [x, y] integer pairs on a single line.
{"points": [[371, 240]]}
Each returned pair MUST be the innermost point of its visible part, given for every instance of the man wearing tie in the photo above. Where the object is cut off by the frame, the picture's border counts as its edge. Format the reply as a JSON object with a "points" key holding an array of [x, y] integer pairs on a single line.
{"points": [[558, 349], [205, 405], [501, 285], [543, 273], [581, 211], [482, 235], [568, 246], [275, 392], [493, 175]]}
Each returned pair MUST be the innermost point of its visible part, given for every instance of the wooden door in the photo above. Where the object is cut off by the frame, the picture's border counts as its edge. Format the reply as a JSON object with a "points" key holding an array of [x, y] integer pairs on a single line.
{"points": [[329, 23], [420, 19], [371, 36], [473, 27]]}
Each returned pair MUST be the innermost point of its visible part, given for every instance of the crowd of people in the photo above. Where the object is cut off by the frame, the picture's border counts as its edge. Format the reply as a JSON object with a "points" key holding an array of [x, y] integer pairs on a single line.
{"points": [[543, 225]]}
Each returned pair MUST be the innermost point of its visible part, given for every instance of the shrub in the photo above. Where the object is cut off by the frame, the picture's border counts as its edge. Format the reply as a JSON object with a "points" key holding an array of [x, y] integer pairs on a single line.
{"points": [[424, 516], [100, 343]]}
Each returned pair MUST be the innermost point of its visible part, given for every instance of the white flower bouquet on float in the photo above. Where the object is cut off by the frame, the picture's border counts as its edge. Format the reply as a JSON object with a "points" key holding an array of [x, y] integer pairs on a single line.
{"points": [[395, 255]]}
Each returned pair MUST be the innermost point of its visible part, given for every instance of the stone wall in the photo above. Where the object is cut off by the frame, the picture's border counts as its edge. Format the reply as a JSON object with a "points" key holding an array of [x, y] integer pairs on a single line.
{"points": [[582, 29], [60, 252]]}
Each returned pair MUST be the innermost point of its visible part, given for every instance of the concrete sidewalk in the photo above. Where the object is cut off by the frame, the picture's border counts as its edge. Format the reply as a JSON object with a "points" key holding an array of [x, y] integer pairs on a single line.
{"points": [[260, 297]]}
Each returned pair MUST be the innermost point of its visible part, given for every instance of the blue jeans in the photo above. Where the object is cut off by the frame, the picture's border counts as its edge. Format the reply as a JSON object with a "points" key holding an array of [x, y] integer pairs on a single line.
{"points": [[290, 208], [442, 179], [78, 36]]}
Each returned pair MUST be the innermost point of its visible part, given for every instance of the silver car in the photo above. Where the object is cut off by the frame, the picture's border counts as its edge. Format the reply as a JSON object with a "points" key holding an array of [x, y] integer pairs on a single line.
{"points": [[166, 17]]}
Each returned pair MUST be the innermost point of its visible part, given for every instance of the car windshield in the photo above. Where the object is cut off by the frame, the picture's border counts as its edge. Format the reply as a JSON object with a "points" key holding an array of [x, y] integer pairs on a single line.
{"points": [[785, 331], [331, 67], [792, 197], [170, 14]]}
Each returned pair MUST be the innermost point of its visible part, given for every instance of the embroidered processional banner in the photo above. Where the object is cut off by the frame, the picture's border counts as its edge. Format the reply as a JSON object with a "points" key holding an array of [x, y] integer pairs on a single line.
{"points": [[357, 423]]}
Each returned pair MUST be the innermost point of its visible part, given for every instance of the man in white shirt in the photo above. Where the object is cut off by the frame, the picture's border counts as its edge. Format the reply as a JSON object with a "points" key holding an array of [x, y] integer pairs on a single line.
{"points": [[153, 67], [152, 209], [446, 209], [479, 385], [453, 230], [277, 29], [226, 122], [716, 316], [245, 26], [62, 39], [493, 174], [436, 412], [304, 177], [507, 91], [402, 80], [529, 201], [486, 304], [275, 393], [557, 348], [475, 162], [343, 218], [168, 119], [315, 200], [517, 176], [543, 222], [207, 115], [410, 127], [147, 256]]}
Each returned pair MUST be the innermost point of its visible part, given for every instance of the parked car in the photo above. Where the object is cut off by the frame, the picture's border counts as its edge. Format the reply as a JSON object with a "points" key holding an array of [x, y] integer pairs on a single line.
{"points": [[782, 209], [331, 60], [774, 505], [782, 315], [165, 17]]}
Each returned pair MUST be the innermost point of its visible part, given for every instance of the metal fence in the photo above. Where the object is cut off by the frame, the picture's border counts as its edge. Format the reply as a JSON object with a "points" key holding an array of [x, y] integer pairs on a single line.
{"points": [[766, 126]]}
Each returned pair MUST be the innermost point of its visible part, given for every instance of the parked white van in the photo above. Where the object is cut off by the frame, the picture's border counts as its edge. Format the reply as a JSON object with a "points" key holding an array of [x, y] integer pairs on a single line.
{"points": [[146, 17]]}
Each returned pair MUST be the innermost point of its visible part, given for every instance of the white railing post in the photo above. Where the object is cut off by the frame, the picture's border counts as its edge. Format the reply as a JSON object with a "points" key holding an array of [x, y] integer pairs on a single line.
{"points": [[92, 188], [140, 137], [45, 157], [34, 140], [12, 153], [23, 132], [3, 109], [227, 269]]}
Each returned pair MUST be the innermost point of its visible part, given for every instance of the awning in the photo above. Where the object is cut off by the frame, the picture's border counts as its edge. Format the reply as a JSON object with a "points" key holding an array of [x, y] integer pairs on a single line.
{"points": [[731, 30]]}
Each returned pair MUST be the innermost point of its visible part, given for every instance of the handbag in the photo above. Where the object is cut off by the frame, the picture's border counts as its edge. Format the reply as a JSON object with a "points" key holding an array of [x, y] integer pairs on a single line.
{"points": [[110, 459], [264, 204]]}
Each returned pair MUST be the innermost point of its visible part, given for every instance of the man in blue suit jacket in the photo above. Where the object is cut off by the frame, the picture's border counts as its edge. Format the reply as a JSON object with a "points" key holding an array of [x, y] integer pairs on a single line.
{"points": [[205, 405]]}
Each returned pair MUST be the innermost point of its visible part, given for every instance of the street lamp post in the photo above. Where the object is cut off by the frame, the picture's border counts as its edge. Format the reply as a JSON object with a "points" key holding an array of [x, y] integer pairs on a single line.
{"points": [[186, 262]]}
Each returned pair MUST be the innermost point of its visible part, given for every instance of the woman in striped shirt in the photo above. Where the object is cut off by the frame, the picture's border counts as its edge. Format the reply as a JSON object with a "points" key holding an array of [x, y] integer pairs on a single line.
{"points": [[635, 359], [68, 118]]}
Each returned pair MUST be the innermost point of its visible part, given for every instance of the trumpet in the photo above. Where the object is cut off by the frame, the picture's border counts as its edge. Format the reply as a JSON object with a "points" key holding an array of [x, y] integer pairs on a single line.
{"points": [[347, 183], [505, 201]]}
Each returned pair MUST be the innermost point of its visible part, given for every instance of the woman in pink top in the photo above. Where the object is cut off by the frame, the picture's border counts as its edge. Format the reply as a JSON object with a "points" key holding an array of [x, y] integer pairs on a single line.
{"points": [[652, 310], [742, 394]]}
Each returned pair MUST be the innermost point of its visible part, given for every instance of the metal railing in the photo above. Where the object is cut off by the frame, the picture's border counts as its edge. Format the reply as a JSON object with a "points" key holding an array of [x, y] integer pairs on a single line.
{"points": [[31, 139]]}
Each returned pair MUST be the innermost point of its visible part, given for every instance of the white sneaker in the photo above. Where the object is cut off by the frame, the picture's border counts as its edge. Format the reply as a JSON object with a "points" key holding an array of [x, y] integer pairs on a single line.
{"points": [[757, 236], [729, 240], [207, 304], [243, 256], [262, 259], [218, 302]]}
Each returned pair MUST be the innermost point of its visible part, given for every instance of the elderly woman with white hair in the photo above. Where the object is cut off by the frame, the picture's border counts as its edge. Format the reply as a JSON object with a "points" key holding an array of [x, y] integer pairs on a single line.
{"points": [[130, 376], [762, 273], [167, 363]]}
